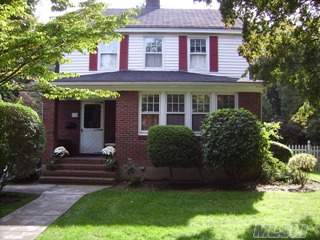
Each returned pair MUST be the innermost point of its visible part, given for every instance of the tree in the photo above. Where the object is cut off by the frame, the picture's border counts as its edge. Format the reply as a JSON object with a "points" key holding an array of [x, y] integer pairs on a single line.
{"points": [[29, 49], [281, 41]]}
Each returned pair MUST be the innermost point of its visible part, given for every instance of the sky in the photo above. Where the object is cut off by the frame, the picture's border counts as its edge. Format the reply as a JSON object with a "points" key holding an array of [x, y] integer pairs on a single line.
{"points": [[44, 13]]}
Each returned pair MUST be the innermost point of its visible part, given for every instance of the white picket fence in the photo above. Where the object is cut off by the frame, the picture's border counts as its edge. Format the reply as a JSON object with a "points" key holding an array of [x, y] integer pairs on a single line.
{"points": [[309, 148]]}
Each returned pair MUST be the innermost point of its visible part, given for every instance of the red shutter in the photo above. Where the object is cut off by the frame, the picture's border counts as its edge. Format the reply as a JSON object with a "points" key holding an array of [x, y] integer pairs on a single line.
{"points": [[124, 49], [183, 53], [214, 54], [93, 61]]}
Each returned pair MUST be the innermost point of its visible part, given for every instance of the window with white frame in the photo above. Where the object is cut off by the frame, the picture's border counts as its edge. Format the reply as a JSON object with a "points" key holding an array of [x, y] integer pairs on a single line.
{"points": [[153, 52], [175, 109], [198, 54], [200, 108], [150, 105], [108, 56], [226, 101]]}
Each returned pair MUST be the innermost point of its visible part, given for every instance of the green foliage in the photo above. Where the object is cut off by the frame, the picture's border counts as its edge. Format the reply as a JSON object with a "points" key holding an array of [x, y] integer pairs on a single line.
{"points": [[234, 140], [292, 133], [21, 139], [274, 170], [272, 130], [29, 49], [313, 131], [281, 41], [281, 151], [302, 164], [304, 114], [173, 146]]}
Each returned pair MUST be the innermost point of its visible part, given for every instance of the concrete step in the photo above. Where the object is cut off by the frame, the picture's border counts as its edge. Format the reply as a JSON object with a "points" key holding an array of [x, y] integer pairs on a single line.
{"points": [[84, 167], [81, 160], [76, 180], [79, 173]]}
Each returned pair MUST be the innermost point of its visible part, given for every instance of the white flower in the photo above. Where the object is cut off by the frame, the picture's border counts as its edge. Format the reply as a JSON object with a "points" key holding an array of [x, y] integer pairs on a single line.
{"points": [[108, 151], [60, 152]]}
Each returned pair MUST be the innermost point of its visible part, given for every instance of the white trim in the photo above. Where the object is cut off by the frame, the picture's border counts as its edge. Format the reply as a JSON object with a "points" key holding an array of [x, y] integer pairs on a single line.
{"points": [[206, 69], [180, 30], [145, 53], [187, 106]]}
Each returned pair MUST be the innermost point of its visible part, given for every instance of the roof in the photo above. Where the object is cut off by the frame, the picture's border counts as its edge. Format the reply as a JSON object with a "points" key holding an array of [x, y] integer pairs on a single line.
{"points": [[177, 18], [150, 77]]}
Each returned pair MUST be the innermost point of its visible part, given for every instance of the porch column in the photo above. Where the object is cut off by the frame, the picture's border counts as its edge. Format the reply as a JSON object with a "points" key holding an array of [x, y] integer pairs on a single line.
{"points": [[50, 125]]}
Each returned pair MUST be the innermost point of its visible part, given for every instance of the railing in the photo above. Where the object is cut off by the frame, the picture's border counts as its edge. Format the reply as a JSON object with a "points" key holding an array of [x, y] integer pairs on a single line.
{"points": [[308, 148]]}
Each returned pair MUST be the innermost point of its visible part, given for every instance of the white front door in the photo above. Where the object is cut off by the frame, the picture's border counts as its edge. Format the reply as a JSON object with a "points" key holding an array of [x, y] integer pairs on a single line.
{"points": [[92, 127]]}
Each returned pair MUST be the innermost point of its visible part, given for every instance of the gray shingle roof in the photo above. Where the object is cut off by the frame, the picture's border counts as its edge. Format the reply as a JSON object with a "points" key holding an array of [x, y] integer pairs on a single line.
{"points": [[151, 77], [177, 18]]}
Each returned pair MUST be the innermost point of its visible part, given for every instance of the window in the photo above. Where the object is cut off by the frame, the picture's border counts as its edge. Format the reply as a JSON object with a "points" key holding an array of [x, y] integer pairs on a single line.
{"points": [[200, 108], [175, 109], [153, 52], [108, 56], [92, 116], [198, 54], [150, 105], [226, 101]]}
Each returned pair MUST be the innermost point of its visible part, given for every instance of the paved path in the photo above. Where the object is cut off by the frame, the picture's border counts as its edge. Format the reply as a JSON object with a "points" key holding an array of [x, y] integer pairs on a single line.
{"points": [[32, 219]]}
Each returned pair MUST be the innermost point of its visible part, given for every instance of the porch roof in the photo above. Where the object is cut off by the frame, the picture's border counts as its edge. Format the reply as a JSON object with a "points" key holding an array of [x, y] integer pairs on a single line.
{"points": [[152, 77]]}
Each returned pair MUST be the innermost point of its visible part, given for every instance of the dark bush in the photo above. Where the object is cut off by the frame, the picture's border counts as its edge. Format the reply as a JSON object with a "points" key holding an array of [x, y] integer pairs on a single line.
{"points": [[281, 151], [173, 146], [292, 133], [313, 131], [21, 139], [234, 140]]}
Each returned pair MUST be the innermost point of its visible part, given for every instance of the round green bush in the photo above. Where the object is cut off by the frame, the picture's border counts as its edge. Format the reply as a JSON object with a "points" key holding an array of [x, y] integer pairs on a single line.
{"points": [[173, 146], [21, 139], [235, 140], [301, 164], [281, 151]]}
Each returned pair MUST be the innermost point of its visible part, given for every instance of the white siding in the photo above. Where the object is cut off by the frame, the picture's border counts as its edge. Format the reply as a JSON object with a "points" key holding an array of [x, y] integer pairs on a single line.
{"points": [[79, 63], [230, 63], [136, 52], [171, 53]]}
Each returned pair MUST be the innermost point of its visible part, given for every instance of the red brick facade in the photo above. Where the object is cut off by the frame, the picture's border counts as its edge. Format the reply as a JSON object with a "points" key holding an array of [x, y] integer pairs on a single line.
{"points": [[122, 121], [251, 101], [129, 144]]}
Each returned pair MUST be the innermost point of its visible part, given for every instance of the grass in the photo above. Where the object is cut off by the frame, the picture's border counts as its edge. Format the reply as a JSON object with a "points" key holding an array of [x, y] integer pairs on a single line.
{"points": [[12, 201], [139, 215], [315, 176]]}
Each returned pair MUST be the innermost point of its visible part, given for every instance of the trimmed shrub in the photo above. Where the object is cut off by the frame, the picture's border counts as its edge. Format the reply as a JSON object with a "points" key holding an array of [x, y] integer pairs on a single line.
{"points": [[281, 151], [301, 164], [313, 131], [235, 140], [173, 146], [274, 170], [21, 139]]}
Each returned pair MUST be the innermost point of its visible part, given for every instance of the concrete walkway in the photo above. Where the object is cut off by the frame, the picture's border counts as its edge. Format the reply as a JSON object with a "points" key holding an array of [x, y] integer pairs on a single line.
{"points": [[32, 219]]}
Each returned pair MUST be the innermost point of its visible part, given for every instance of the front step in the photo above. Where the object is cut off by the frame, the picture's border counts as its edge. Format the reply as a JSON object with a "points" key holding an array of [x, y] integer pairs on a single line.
{"points": [[76, 180], [79, 170], [79, 173]]}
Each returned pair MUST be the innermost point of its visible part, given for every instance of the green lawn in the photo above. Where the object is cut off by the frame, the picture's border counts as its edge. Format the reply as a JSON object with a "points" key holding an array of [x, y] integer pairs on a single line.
{"points": [[315, 176], [12, 201], [139, 215]]}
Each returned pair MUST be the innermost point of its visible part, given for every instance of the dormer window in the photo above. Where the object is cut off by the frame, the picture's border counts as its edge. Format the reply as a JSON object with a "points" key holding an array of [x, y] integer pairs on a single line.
{"points": [[109, 56], [153, 52], [198, 54]]}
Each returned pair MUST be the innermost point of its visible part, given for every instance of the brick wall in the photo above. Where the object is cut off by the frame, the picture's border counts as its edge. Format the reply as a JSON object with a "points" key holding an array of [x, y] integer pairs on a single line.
{"points": [[128, 143], [49, 120], [251, 101]]}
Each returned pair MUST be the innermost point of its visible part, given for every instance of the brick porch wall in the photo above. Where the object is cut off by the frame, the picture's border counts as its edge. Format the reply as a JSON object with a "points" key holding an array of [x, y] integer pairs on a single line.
{"points": [[128, 143]]}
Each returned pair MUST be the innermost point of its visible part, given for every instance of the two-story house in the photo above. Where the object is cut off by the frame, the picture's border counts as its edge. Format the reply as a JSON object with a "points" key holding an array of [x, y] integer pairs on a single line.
{"points": [[172, 67]]}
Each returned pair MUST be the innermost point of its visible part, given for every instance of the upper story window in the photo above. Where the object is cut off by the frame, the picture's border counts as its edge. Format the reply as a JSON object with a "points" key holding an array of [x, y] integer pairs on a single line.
{"points": [[200, 108], [108, 56], [153, 52], [198, 54], [175, 109], [150, 105], [226, 101]]}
